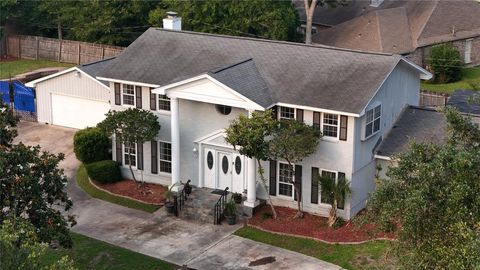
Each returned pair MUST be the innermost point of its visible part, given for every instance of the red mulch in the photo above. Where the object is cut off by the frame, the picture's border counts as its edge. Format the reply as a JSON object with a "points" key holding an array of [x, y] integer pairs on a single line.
{"points": [[149, 193], [314, 226]]}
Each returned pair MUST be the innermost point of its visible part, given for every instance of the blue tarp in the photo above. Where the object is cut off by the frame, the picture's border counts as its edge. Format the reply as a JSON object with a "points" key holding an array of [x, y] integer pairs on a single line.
{"points": [[24, 97]]}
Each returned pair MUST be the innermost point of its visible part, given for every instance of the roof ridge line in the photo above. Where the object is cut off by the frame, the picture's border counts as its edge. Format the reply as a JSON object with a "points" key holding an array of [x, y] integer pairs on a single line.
{"points": [[317, 46]]}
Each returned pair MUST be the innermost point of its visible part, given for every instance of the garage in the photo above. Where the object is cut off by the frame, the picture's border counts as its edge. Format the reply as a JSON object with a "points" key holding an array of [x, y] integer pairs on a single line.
{"points": [[77, 112], [73, 97]]}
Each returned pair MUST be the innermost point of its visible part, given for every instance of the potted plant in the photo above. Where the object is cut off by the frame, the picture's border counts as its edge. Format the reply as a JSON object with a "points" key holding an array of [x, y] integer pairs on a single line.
{"points": [[237, 197], [169, 205], [187, 187], [231, 212]]}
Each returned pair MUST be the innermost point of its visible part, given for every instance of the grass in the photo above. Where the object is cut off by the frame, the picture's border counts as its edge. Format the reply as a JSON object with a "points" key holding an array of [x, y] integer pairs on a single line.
{"points": [[88, 253], [82, 180], [468, 74], [12, 68], [371, 255]]}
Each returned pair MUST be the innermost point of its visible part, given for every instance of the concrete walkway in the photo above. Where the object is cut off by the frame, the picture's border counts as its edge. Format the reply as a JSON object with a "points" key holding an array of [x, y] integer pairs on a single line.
{"points": [[200, 246]]}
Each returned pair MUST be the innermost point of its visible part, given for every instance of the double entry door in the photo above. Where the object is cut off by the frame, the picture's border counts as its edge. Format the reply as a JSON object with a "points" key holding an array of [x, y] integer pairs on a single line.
{"points": [[224, 169]]}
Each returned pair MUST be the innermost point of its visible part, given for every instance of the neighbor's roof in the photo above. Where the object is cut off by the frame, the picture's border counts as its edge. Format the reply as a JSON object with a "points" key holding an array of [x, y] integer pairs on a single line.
{"points": [[293, 73], [400, 26], [460, 99], [414, 124]]}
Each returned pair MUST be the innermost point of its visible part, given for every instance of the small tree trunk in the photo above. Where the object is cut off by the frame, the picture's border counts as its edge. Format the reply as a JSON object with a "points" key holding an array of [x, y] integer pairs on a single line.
{"points": [[59, 30], [264, 182], [333, 214]]}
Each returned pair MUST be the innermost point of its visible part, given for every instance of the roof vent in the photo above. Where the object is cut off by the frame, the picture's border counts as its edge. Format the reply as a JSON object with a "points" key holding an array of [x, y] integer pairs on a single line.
{"points": [[172, 22]]}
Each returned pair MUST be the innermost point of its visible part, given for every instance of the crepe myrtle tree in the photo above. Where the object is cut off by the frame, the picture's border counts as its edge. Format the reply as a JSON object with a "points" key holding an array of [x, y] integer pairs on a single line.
{"points": [[250, 136], [293, 141], [131, 126]]}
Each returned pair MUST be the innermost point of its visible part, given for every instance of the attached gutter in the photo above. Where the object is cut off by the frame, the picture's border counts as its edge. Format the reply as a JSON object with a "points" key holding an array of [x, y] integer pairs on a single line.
{"points": [[128, 82], [308, 108]]}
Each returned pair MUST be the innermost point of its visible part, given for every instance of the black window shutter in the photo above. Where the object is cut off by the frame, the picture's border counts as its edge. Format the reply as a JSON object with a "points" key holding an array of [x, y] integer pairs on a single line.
{"points": [[299, 115], [316, 119], [154, 158], [341, 203], [275, 112], [118, 152], [343, 127], [140, 156], [138, 95], [314, 189], [116, 86], [298, 181], [153, 101], [273, 178]]}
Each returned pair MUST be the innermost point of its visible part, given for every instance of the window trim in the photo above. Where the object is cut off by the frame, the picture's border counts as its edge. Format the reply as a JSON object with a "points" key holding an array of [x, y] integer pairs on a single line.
{"points": [[469, 45], [365, 123], [321, 170], [158, 99], [133, 95], [278, 181], [283, 118], [164, 160], [322, 124], [125, 153]]}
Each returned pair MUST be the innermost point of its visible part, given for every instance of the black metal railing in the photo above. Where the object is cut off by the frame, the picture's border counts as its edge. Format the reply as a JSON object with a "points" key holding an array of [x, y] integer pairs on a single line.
{"points": [[179, 200], [219, 207]]}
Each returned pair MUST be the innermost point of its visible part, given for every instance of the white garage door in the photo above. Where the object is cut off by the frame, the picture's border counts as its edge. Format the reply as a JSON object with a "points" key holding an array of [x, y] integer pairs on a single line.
{"points": [[77, 112]]}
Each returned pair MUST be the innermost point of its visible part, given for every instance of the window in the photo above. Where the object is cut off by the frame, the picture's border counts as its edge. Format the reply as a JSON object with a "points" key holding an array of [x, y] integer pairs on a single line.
{"points": [[132, 158], [163, 103], [165, 157], [287, 113], [468, 51], [330, 125], [285, 180], [222, 109], [325, 197], [128, 94], [372, 121]]}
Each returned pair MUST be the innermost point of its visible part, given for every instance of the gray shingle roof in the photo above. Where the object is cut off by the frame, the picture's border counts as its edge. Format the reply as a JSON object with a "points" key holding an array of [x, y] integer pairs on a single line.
{"points": [[316, 76], [460, 100], [94, 68], [417, 124]]}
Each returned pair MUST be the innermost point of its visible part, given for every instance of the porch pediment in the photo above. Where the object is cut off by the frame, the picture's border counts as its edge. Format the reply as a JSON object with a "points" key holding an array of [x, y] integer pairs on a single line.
{"points": [[206, 89]]}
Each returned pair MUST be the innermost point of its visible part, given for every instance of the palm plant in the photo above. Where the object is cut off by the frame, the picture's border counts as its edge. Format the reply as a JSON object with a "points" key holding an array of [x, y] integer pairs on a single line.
{"points": [[335, 191]]}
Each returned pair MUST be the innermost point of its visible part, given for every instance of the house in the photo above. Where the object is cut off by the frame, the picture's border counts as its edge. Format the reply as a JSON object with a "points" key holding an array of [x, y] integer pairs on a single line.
{"points": [[409, 28], [62, 98], [196, 83]]}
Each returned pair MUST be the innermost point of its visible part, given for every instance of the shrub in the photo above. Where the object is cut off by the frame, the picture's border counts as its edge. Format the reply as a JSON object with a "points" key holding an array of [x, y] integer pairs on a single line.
{"points": [[105, 171], [91, 145], [446, 63]]}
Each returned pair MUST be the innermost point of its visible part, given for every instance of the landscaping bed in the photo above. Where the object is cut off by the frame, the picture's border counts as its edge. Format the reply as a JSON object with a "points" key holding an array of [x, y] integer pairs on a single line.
{"points": [[312, 226], [148, 193]]}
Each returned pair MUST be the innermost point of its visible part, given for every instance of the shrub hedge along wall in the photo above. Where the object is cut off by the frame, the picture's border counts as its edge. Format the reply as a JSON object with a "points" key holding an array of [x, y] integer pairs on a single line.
{"points": [[91, 145], [105, 171]]}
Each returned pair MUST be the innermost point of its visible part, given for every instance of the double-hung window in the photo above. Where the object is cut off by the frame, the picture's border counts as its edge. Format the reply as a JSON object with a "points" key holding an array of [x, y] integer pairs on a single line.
{"points": [[285, 180], [330, 125], [287, 113], [163, 103], [130, 159], [165, 157], [128, 94], [327, 197], [372, 121]]}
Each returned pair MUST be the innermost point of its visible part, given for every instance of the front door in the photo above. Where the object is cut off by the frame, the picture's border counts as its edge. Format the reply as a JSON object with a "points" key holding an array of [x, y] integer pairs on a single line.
{"points": [[224, 170]]}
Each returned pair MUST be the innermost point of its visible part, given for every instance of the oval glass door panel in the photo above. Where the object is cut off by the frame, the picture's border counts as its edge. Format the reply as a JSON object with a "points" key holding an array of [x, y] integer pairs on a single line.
{"points": [[210, 160], [225, 164], [238, 165]]}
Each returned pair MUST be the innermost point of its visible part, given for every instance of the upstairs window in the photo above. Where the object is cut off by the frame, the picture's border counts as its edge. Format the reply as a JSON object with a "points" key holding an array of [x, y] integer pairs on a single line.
{"points": [[372, 121], [163, 103], [330, 125], [287, 113], [223, 109], [128, 94]]}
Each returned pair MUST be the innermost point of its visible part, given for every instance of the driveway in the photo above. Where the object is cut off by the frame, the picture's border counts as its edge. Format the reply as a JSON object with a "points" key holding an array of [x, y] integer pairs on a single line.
{"points": [[201, 246]]}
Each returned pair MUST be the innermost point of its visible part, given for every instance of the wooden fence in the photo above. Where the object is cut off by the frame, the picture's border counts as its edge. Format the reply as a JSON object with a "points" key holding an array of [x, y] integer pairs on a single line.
{"points": [[432, 99], [67, 51]]}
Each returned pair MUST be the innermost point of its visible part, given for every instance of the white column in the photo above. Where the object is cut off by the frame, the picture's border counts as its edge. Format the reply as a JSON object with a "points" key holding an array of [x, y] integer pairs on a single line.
{"points": [[251, 179], [175, 134]]}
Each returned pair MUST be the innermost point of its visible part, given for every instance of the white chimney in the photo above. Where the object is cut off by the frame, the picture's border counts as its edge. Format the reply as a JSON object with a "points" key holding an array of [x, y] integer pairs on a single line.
{"points": [[172, 22]]}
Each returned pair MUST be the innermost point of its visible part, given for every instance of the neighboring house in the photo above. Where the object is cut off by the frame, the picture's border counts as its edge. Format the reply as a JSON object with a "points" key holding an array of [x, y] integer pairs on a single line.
{"points": [[73, 97], [409, 28], [197, 83]]}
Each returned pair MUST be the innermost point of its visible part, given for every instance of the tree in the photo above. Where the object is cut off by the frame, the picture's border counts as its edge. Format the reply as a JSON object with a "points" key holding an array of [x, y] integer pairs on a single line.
{"points": [[446, 63], [335, 191], [432, 200], [250, 137], [131, 126], [309, 6], [292, 141], [8, 122], [255, 18]]}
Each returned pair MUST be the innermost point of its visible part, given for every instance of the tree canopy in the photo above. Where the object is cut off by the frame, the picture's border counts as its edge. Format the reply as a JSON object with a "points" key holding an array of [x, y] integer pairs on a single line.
{"points": [[432, 200]]}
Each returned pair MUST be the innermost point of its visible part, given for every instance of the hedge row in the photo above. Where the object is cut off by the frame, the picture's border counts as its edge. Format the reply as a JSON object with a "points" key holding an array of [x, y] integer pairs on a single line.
{"points": [[105, 171]]}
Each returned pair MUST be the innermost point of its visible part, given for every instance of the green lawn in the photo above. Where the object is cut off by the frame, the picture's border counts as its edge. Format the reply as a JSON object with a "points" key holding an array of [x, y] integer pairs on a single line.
{"points": [[82, 180], [12, 68], [88, 253], [469, 74], [371, 255]]}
